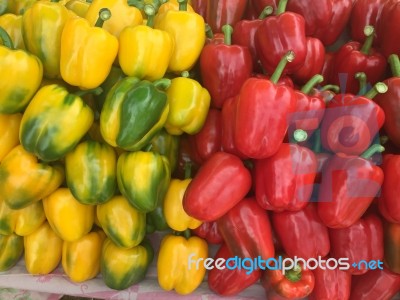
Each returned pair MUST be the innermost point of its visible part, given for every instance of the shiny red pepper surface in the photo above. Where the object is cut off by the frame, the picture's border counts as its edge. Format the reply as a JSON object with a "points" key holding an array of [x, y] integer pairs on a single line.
{"points": [[209, 232], [222, 12]]}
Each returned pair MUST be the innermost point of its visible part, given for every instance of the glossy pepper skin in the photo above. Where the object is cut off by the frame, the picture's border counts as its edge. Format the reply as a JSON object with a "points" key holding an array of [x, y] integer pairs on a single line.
{"points": [[167, 145], [9, 132], [189, 104], [91, 172], [293, 228], [143, 178], [176, 264], [392, 246], [209, 232], [81, 258], [188, 30], [69, 219], [81, 64], [293, 189], [24, 180], [388, 24], [13, 25], [331, 284], [133, 112], [361, 241], [228, 282], [51, 129], [42, 26], [246, 230], [121, 222], [221, 12], [43, 250], [123, 15], [79, 7], [12, 248], [121, 267], [349, 185], [200, 6], [219, 185], [23, 71]]}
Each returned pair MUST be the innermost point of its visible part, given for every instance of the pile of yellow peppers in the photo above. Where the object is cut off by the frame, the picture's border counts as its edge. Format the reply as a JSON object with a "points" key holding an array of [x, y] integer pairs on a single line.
{"points": [[90, 92]]}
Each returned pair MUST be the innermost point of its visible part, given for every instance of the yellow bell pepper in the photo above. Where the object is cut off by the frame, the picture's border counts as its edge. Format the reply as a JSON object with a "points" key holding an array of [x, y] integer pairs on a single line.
{"points": [[79, 7], [24, 180], [145, 52], [188, 30], [13, 25], [124, 15], [4, 6], [172, 5], [87, 53], [9, 133], [69, 219], [189, 103], [81, 258], [19, 7], [43, 250], [173, 268], [121, 222], [12, 247], [21, 72]]}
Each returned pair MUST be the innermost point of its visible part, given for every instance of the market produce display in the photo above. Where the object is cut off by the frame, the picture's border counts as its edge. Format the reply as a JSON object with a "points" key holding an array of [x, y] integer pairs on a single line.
{"points": [[260, 140]]}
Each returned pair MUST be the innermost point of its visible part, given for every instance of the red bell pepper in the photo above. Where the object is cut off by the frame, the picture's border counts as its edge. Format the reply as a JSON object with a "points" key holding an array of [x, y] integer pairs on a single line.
{"points": [[354, 57], [375, 285], [200, 6], [313, 63], [294, 284], [327, 68], [392, 246], [279, 34], [388, 28], [293, 228], [246, 230], [211, 38], [362, 241], [221, 12], [209, 232], [390, 101], [185, 156], [341, 11], [291, 190], [262, 114], [221, 182], [351, 122], [228, 282], [224, 68], [331, 284], [349, 185]]}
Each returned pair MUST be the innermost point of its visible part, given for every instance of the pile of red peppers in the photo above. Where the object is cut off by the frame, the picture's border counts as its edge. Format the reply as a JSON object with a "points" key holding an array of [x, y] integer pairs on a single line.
{"points": [[300, 152]]}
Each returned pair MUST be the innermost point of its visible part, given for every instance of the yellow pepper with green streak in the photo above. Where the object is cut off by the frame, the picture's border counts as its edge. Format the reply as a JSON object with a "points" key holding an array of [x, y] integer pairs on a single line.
{"points": [[54, 122], [188, 103], [12, 247], [81, 258], [9, 133], [43, 250], [24, 180], [173, 269], [19, 7], [69, 219], [79, 7], [13, 25], [22, 73]]}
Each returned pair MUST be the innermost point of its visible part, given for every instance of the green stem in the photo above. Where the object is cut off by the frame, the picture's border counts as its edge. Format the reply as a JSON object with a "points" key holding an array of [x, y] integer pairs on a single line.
{"points": [[288, 57], [136, 3], [294, 275], [227, 30], [300, 135], [378, 88], [330, 87], [185, 74], [372, 150], [268, 10], [97, 91], [162, 83], [362, 79], [182, 5], [281, 7], [369, 34], [209, 32], [188, 170], [150, 12], [5, 37], [104, 15], [148, 148], [317, 147], [316, 79], [394, 64]]}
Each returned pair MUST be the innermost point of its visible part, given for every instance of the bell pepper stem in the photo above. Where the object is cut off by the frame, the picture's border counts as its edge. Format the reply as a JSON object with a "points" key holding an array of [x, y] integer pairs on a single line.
{"points": [[317, 147], [378, 88], [188, 170], [150, 11], [136, 3], [394, 62], [362, 79], [162, 83], [307, 88], [300, 135], [268, 10], [330, 87], [5, 37], [97, 91], [281, 7], [377, 148], [288, 57], [209, 32], [294, 275], [185, 74], [104, 15], [369, 34], [182, 5], [227, 30]]}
